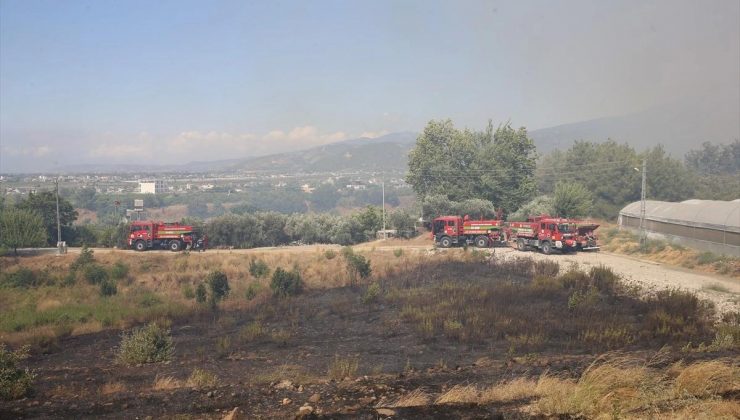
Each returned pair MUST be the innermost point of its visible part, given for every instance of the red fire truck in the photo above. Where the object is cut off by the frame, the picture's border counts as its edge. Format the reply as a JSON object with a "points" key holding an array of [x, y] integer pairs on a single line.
{"points": [[448, 231], [148, 234], [586, 237], [545, 233]]}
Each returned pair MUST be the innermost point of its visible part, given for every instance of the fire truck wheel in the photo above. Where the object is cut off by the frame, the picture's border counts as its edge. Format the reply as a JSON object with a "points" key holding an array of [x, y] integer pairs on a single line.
{"points": [[445, 242], [481, 242], [546, 248], [175, 246], [520, 245], [140, 246]]}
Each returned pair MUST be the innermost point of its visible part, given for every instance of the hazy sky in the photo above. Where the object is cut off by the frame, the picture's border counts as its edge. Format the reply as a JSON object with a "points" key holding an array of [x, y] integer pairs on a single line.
{"points": [[176, 81]]}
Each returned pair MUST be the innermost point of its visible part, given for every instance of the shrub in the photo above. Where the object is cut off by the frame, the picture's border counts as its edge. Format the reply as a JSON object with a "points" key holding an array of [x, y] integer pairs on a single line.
{"points": [[218, 283], [330, 254], [371, 294], [357, 266], [286, 283], [258, 268], [95, 274], [707, 258], [188, 292], [398, 252], [23, 277], [147, 344], [108, 288], [119, 270], [201, 294], [252, 291], [86, 257], [14, 381]]}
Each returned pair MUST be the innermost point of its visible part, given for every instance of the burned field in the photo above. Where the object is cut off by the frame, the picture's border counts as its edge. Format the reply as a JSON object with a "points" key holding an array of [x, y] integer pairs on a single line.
{"points": [[454, 334]]}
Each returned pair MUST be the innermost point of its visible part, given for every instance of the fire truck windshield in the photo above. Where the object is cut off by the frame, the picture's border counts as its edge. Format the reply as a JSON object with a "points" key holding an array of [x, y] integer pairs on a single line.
{"points": [[565, 227]]}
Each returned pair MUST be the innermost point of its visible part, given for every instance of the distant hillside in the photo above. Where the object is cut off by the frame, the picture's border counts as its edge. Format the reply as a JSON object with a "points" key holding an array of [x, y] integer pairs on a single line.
{"points": [[679, 127], [389, 152]]}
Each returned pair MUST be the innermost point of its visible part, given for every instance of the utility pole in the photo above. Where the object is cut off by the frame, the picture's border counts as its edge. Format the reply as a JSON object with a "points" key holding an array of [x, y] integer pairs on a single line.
{"points": [[382, 183], [59, 226], [643, 236]]}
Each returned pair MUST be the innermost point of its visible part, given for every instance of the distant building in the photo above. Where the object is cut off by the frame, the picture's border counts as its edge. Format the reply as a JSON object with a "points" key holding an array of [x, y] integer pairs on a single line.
{"points": [[152, 187]]}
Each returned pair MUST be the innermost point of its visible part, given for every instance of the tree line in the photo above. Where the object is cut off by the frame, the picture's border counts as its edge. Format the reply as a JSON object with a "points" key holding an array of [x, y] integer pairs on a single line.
{"points": [[457, 171]]}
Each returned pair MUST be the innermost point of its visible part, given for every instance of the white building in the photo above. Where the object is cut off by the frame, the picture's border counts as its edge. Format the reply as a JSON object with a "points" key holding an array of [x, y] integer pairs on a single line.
{"points": [[152, 187]]}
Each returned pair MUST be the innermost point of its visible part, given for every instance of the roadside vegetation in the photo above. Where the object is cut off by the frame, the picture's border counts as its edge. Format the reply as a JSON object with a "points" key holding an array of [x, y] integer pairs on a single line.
{"points": [[623, 241]]}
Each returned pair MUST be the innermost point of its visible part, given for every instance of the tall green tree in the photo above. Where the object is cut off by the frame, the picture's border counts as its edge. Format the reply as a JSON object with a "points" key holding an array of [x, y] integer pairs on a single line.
{"points": [[571, 200], [494, 165], [44, 204], [21, 228], [506, 163]]}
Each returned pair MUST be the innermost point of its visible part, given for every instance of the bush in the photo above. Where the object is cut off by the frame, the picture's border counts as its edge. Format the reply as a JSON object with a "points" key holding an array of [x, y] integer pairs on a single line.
{"points": [[188, 292], [252, 291], [14, 381], [330, 254], [147, 344], [286, 283], [357, 265], [258, 268], [218, 283], [95, 274], [108, 288], [398, 252], [23, 277], [371, 294], [86, 257], [201, 294], [119, 270]]}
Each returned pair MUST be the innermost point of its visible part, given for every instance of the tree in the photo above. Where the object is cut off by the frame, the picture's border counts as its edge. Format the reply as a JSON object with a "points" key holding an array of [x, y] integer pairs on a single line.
{"points": [[218, 284], [45, 205], [536, 207], [497, 166], [571, 200], [21, 228], [506, 164]]}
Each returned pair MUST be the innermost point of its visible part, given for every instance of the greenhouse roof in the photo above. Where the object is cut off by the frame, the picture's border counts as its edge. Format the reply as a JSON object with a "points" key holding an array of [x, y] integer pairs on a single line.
{"points": [[711, 214]]}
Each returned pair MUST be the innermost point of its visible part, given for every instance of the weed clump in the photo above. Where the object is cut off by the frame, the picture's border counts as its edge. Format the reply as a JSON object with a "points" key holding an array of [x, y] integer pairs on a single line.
{"points": [[14, 381], [202, 379], [342, 367], [147, 344], [286, 283]]}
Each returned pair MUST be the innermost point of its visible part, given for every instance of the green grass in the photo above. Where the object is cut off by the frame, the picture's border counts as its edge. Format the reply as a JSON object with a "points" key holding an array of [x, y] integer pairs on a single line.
{"points": [[110, 311]]}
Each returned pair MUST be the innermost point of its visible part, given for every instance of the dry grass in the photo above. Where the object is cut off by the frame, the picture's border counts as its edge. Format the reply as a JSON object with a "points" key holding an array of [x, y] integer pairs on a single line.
{"points": [[517, 389], [343, 367], [162, 383], [112, 388], [416, 398], [460, 394], [202, 379], [707, 378]]}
